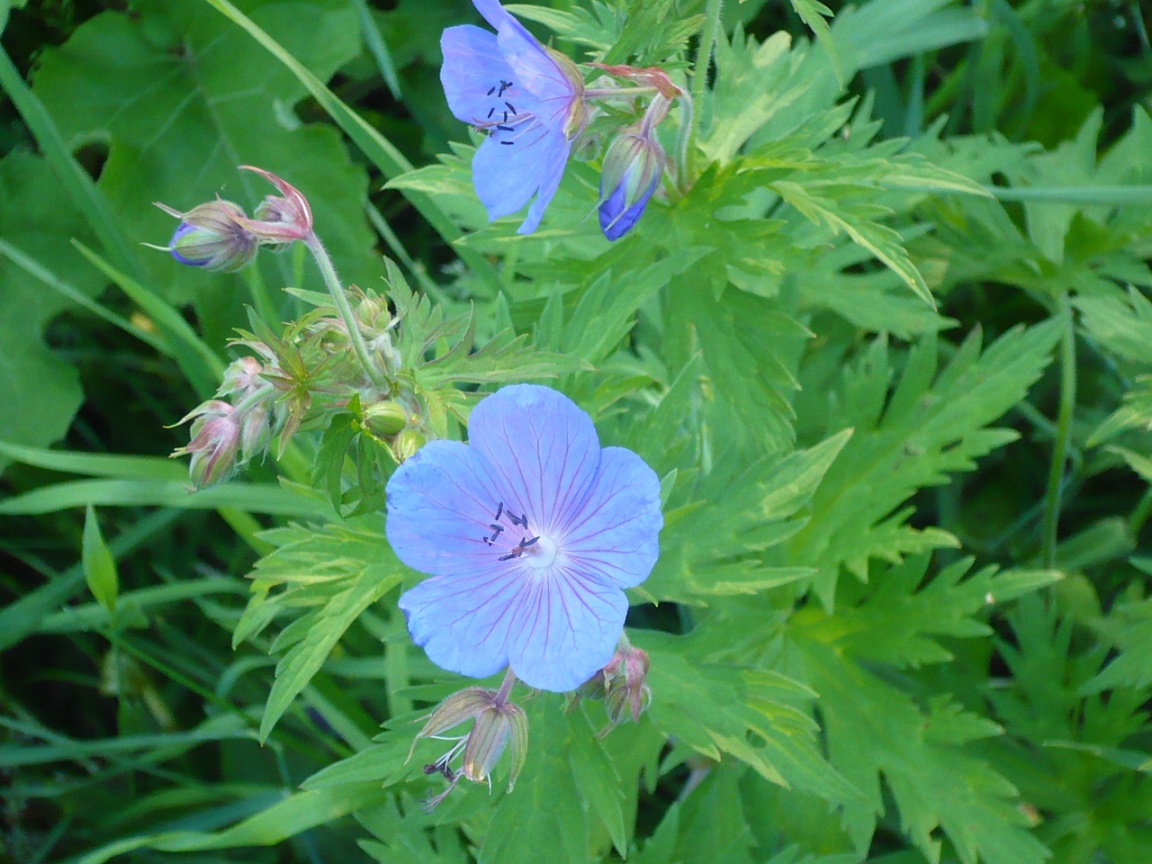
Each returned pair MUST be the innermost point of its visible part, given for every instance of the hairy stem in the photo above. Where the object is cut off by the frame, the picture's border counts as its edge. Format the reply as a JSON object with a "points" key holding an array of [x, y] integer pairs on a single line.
{"points": [[344, 308], [700, 77], [1063, 431], [505, 689]]}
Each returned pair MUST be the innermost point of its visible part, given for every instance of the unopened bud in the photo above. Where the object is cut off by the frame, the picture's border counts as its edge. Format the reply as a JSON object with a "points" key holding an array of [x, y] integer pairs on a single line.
{"points": [[373, 313], [626, 684], [242, 377], [632, 170], [385, 419], [212, 236], [407, 443], [215, 442]]}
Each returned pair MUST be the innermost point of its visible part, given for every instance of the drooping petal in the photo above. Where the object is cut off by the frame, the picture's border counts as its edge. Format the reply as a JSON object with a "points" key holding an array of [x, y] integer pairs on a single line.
{"points": [[506, 176], [473, 63], [440, 506], [552, 172], [614, 535], [541, 445], [463, 622], [566, 627]]}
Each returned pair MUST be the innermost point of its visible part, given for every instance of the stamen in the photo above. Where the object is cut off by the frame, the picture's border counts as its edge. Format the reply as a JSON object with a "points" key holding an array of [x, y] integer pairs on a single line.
{"points": [[499, 510], [510, 556], [511, 107], [508, 143], [495, 533], [493, 90], [505, 128], [525, 542], [492, 111]]}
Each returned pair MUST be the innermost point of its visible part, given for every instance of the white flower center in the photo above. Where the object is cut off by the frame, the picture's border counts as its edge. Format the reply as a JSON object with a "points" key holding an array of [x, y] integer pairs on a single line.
{"points": [[541, 554]]}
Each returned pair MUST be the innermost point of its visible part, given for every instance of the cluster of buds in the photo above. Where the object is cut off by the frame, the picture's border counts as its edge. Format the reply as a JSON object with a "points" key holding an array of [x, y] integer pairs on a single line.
{"points": [[218, 235], [622, 685], [497, 725], [228, 435]]}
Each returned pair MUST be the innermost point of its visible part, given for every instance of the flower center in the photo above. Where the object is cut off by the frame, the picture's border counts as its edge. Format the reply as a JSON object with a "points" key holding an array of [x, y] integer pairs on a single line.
{"points": [[511, 535]]}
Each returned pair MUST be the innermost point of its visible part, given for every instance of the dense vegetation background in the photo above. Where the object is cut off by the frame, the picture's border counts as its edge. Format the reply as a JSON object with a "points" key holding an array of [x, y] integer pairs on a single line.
{"points": [[886, 339]]}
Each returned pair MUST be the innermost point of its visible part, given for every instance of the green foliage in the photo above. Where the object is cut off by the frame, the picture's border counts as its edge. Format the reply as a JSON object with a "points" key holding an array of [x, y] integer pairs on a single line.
{"points": [[883, 333]]}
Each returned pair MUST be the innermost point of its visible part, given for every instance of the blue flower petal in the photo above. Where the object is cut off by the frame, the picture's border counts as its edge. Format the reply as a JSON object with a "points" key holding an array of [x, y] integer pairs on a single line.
{"points": [[567, 627], [463, 623], [614, 536], [506, 176], [473, 62], [540, 444], [552, 171], [440, 504], [615, 221]]}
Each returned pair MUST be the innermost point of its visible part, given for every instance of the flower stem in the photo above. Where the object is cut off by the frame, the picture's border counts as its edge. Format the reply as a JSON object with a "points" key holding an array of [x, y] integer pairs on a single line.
{"points": [[344, 308], [505, 690], [1063, 431], [609, 92], [700, 72]]}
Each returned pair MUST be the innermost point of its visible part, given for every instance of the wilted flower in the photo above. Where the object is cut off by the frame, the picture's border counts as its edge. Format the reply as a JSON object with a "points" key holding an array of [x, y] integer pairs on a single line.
{"points": [[280, 219], [633, 167], [528, 98], [497, 724], [531, 532], [215, 441], [211, 236]]}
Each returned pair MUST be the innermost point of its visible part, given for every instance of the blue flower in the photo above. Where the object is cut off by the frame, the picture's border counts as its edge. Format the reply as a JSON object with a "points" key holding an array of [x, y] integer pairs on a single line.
{"points": [[531, 532], [528, 98]]}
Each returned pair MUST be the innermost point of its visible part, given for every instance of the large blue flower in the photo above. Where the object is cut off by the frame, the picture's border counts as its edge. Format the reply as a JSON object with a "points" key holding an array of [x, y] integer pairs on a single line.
{"points": [[531, 532], [530, 101]]}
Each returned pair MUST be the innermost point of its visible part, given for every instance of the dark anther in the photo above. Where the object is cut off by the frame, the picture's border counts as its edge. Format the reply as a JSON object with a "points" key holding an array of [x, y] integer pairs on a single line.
{"points": [[505, 128], [499, 510], [510, 556], [511, 107], [522, 521], [495, 533], [505, 120], [493, 90], [509, 143], [525, 543], [491, 111]]}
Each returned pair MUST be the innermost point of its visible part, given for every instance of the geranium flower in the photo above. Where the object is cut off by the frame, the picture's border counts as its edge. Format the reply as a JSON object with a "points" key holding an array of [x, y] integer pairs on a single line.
{"points": [[531, 532], [528, 98]]}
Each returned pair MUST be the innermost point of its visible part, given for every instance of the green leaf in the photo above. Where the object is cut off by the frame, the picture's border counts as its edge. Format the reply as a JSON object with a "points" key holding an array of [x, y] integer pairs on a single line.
{"points": [[545, 810], [760, 718], [1129, 629], [875, 730], [931, 425], [214, 101], [39, 388], [99, 565], [294, 815], [323, 629]]}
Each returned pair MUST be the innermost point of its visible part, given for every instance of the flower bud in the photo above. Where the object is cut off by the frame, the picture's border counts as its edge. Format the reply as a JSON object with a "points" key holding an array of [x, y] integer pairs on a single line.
{"points": [[407, 443], [632, 170], [215, 442], [242, 377], [626, 684], [373, 313], [385, 419], [280, 219], [212, 236]]}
